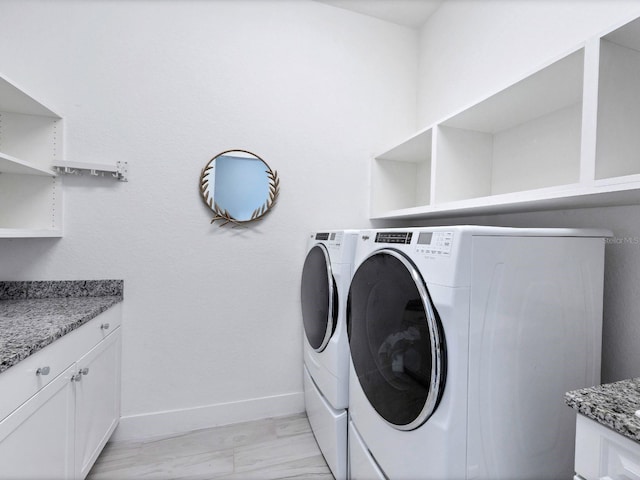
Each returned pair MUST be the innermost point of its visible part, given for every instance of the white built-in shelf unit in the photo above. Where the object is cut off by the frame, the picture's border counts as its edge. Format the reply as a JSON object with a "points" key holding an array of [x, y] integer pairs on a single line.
{"points": [[565, 136], [30, 142]]}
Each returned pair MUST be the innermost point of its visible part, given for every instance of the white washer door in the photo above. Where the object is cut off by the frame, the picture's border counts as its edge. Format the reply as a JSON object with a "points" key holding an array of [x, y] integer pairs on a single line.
{"points": [[319, 298], [396, 340]]}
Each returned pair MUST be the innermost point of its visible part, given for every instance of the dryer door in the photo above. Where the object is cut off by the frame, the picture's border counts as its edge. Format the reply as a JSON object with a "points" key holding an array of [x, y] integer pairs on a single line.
{"points": [[319, 298], [396, 339]]}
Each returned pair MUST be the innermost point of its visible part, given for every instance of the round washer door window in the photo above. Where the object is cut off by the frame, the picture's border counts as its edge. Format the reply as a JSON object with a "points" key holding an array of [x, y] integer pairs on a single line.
{"points": [[396, 339], [319, 298]]}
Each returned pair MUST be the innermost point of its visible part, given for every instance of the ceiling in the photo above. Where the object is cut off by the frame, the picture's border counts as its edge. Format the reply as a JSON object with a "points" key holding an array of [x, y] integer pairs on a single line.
{"points": [[411, 13]]}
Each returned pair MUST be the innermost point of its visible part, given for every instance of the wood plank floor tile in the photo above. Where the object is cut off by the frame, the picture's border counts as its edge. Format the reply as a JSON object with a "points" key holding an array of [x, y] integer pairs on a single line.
{"points": [[211, 439], [275, 452], [292, 425], [307, 468], [186, 467], [266, 449]]}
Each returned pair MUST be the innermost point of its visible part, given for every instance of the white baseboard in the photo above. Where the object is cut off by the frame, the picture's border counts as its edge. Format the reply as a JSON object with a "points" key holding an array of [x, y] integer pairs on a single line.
{"points": [[170, 422]]}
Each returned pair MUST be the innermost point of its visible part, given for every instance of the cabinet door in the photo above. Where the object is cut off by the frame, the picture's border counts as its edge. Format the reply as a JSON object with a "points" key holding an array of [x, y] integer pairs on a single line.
{"points": [[604, 454], [97, 388], [36, 440]]}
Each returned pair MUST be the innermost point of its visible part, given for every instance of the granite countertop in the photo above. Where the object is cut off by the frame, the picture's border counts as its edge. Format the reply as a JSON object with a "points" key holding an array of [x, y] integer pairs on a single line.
{"points": [[34, 314], [613, 405]]}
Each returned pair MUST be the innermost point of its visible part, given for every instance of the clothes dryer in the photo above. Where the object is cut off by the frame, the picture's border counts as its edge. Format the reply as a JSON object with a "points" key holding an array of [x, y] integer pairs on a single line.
{"points": [[325, 283], [463, 342]]}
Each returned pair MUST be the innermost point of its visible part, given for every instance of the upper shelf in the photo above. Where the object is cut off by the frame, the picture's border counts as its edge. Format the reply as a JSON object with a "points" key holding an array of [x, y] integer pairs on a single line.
{"points": [[600, 194], [564, 136], [9, 164], [552, 88], [31, 140], [414, 150], [16, 100], [29, 233]]}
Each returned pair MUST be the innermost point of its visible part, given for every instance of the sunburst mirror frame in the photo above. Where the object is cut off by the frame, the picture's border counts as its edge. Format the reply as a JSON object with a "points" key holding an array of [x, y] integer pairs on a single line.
{"points": [[223, 214]]}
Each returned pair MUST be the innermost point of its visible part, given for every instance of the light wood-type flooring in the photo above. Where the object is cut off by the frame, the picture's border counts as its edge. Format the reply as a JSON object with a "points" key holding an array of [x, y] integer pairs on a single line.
{"points": [[272, 448]]}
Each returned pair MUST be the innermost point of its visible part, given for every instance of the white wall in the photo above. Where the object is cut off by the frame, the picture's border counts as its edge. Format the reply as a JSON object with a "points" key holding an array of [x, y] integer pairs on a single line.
{"points": [[212, 330], [471, 49]]}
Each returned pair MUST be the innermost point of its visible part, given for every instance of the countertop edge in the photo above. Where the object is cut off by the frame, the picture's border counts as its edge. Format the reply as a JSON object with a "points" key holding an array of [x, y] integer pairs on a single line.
{"points": [[34, 315], [612, 405], [17, 290]]}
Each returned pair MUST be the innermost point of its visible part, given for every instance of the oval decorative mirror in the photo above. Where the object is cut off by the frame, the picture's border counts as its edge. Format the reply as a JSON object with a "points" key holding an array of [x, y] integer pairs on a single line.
{"points": [[239, 187]]}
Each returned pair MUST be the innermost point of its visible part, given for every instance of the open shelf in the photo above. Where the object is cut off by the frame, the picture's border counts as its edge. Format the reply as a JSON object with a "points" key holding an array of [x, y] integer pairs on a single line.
{"points": [[9, 164], [16, 100], [30, 141], [618, 138], [29, 233], [565, 136], [569, 196], [401, 177], [524, 138], [29, 202]]}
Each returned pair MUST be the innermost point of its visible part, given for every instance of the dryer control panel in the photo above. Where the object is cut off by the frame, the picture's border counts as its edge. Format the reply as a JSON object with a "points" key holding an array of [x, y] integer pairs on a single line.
{"points": [[331, 238], [435, 243]]}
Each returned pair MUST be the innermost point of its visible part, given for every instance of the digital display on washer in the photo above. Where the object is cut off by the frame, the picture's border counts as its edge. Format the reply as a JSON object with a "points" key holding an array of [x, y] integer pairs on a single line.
{"points": [[322, 236], [424, 238], [393, 237]]}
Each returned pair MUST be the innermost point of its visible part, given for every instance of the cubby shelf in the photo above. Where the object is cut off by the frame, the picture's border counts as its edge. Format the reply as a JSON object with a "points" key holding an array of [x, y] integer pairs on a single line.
{"points": [[31, 140], [565, 136]]}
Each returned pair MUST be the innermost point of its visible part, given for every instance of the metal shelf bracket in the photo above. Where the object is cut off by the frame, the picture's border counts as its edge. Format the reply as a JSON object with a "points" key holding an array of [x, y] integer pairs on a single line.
{"points": [[119, 171]]}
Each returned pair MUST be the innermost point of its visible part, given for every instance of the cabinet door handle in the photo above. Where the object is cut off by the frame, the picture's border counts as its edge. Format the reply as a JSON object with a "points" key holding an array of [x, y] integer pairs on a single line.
{"points": [[43, 371], [78, 376], [104, 326]]}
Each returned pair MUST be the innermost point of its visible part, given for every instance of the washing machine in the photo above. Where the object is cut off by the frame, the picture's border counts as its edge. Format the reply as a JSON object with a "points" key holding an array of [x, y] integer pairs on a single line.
{"points": [[326, 275], [463, 342]]}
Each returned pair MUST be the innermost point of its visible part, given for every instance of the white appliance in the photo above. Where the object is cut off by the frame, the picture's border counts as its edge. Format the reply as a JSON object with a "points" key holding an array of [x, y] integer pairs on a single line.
{"points": [[325, 283], [463, 342]]}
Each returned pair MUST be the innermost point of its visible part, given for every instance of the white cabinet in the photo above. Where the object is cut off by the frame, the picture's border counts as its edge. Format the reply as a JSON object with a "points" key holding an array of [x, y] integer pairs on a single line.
{"points": [[97, 401], [36, 441], [31, 140], [54, 424], [564, 136], [602, 454]]}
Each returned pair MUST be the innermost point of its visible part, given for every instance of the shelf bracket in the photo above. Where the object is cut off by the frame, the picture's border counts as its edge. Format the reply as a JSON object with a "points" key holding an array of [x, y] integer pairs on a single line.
{"points": [[119, 171], [122, 171]]}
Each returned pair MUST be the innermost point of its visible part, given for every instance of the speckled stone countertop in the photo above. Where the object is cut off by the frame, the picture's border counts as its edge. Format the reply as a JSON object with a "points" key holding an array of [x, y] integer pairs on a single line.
{"points": [[34, 314], [613, 405]]}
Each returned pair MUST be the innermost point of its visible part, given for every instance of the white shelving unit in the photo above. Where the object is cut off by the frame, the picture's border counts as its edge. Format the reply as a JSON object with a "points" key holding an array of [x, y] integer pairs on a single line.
{"points": [[565, 136], [31, 140]]}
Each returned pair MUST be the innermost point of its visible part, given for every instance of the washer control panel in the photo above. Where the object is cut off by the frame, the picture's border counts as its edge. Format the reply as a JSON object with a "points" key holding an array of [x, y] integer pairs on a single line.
{"points": [[394, 237], [437, 244]]}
